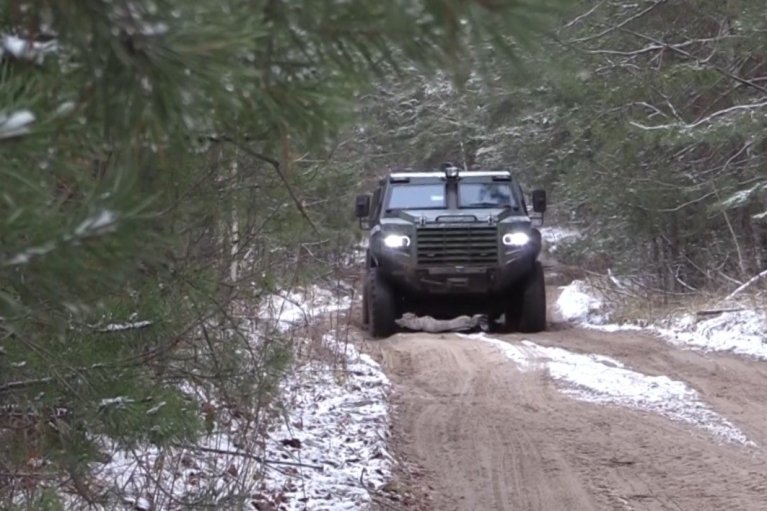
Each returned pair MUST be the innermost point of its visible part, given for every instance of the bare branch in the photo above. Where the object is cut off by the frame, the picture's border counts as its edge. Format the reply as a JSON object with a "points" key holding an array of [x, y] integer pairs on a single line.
{"points": [[690, 56], [705, 120], [634, 53], [584, 15], [653, 108], [13, 385], [656, 47], [747, 284], [619, 25], [278, 169]]}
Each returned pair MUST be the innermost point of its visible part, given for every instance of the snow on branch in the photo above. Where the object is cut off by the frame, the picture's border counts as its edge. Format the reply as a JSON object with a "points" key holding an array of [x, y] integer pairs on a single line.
{"points": [[121, 327], [750, 282], [654, 47], [13, 385], [742, 197], [26, 49], [706, 120], [102, 222], [15, 124]]}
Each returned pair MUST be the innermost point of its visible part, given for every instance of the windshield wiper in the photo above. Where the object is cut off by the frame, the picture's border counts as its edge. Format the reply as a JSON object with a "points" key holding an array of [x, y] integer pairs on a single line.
{"points": [[391, 210], [484, 205]]}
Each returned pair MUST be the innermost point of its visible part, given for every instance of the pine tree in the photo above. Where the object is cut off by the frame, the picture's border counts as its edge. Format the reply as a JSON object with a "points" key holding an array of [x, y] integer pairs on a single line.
{"points": [[151, 171]]}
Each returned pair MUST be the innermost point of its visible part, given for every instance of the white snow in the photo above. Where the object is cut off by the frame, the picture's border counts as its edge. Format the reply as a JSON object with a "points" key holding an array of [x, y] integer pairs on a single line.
{"points": [[340, 418], [336, 418], [102, 221], [603, 380], [155, 409], [578, 302], [324, 447], [554, 237], [741, 331], [16, 124], [119, 327], [750, 282], [26, 49], [27, 255], [170, 478], [296, 308], [116, 402], [154, 29], [65, 108]]}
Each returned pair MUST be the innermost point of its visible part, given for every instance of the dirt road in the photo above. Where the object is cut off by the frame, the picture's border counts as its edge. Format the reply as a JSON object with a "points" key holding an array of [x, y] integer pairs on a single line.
{"points": [[576, 419]]}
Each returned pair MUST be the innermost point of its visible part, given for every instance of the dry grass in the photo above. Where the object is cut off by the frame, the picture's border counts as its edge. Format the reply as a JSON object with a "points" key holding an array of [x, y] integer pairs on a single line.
{"points": [[629, 301]]}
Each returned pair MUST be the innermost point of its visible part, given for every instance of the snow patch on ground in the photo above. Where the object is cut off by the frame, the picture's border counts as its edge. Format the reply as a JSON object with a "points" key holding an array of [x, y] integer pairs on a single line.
{"points": [[297, 308], [742, 331], [603, 380], [326, 451], [339, 418], [321, 445], [148, 478], [578, 302], [554, 237]]}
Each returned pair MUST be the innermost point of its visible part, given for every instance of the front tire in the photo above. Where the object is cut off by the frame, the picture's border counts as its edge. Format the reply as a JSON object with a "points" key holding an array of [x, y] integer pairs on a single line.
{"points": [[365, 306], [532, 316], [381, 306], [513, 313]]}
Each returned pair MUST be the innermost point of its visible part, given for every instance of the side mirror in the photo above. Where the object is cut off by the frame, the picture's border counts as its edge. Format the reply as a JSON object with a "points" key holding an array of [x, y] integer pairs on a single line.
{"points": [[362, 206], [539, 201]]}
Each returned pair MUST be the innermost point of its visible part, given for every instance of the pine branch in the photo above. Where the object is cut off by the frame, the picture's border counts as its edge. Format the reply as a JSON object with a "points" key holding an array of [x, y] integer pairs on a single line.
{"points": [[22, 384], [277, 168]]}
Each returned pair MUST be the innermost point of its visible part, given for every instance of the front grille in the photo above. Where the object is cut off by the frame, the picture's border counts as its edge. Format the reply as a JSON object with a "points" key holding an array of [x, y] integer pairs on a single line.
{"points": [[441, 245]]}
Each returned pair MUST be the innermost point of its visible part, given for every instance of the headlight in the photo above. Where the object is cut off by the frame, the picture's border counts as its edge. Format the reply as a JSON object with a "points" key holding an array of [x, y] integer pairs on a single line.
{"points": [[396, 241], [515, 239]]}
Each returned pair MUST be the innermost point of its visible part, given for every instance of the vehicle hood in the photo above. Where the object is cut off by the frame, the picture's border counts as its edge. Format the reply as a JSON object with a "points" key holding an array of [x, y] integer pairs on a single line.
{"points": [[454, 216]]}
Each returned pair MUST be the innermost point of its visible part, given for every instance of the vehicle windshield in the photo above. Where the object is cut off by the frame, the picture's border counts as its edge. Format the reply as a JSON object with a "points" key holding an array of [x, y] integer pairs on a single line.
{"points": [[417, 196], [486, 195]]}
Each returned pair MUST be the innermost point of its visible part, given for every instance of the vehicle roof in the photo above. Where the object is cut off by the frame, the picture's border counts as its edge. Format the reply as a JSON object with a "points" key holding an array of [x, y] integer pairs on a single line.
{"points": [[435, 174]]}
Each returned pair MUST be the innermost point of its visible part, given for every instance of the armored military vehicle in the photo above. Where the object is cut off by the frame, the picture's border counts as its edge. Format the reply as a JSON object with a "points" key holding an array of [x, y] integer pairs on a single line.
{"points": [[449, 243]]}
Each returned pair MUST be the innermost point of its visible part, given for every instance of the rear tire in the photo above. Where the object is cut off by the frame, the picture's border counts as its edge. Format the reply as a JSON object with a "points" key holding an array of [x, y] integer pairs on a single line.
{"points": [[532, 313], [381, 306]]}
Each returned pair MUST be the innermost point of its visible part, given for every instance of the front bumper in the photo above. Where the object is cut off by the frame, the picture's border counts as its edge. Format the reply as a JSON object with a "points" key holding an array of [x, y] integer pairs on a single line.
{"points": [[485, 279]]}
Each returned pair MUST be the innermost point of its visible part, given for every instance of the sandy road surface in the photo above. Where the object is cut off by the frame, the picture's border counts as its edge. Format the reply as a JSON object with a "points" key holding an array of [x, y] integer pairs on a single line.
{"points": [[491, 434]]}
